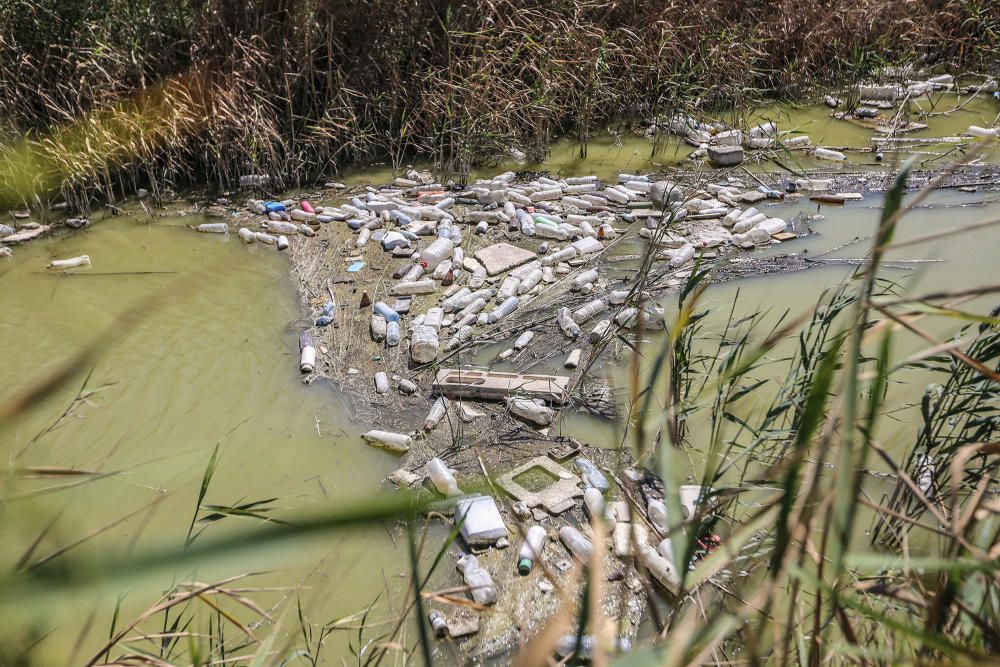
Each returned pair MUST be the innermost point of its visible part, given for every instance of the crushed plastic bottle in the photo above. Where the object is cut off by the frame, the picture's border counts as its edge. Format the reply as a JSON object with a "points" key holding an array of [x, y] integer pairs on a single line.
{"points": [[484, 591]]}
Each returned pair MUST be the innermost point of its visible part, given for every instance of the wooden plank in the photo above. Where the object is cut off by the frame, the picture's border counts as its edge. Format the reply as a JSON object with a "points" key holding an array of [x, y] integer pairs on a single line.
{"points": [[496, 385]]}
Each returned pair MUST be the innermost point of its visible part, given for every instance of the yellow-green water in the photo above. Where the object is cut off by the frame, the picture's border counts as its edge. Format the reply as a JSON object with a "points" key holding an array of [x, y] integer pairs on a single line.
{"points": [[212, 361]]}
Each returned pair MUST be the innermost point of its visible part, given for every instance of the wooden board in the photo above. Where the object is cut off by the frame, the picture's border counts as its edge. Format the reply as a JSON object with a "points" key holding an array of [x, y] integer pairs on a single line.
{"points": [[495, 385]]}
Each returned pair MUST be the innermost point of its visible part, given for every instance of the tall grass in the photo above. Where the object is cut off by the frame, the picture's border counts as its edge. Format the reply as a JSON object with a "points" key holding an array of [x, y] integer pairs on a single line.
{"points": [[100, 98]]}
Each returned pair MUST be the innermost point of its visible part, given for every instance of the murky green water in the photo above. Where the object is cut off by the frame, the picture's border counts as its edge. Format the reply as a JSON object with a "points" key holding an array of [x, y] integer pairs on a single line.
{"points": [[212, 362]]}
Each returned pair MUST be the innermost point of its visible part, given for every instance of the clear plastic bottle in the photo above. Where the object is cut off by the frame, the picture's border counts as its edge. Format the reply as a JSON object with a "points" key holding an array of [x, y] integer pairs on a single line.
{"points": [[523, 340], [392, 333], [593, 500], [385, 311], [436, 413], [438, 251], [576, 543], [503, 310], [657, 513], [531, 549], [592, 476], [442, 478], [484, 591], [589, 309]]}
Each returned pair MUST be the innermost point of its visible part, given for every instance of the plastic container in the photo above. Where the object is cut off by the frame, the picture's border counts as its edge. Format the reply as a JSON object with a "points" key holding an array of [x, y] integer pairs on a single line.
{"points": [[592, 476], [387, 313], [307, 353], [378, 328], [483, 590], [381, 383], [436, 414], [531, 549], [578, 545], [533, 410], [395, 442], [424, 344], [442, 270], [442, 478], [213, 228], [434, 318], [406, 386], [567, 323], [247, 236], [438, 251], [392, 334]]}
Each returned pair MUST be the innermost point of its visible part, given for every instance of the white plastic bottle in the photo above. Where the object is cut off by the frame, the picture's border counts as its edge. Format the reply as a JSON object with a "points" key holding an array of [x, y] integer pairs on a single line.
{"points": [[523, 340], [484, 591], [576, 543], [442, 478], [531, 549], [657, 513], [588, 310], [395, 442], [661, 568], [593, 500], [582, 279], [424, 344]]}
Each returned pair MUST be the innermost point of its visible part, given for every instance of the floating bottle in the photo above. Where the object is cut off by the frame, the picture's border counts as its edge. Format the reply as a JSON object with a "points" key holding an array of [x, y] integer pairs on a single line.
{"points": [[442, 478]]}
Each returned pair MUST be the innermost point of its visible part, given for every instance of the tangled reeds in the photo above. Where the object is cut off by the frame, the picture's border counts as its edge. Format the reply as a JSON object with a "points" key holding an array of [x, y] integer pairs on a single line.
{"points": [[99, 98]]}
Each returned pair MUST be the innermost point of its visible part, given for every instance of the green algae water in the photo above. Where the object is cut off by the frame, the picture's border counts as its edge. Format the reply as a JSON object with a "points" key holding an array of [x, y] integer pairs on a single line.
{"points": [[212, 361]]}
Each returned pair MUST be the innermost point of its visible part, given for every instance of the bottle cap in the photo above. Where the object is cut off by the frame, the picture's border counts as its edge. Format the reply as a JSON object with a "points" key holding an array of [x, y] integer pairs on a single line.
{"points": [[524, 566]]}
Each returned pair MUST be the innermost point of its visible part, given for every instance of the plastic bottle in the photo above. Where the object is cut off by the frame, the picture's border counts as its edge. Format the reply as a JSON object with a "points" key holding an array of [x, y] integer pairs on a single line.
{"points": [[527, 224], [531, 549], [567, 645], [426, 286], [523, 340], [983, 132], [503, 310], [592, 476], [363, 236], [396, 442], [71, 263], [508, 288], [682, 256], [598, 331], [657, 513], [436, 413], [530, 281], [589, 309], [661, 568], [424, 344], [484, 591], [567, 324], [463, 334], [392, 333], [533, 410], [381, 383], [582, 279], [378, 328], [442, 478], [385, 311], [576, 543], [593, 500], [434, 318], [282, 243], [438, 624], [435, 253], [827, 154], [307, 353], [246, 235], [213, 228]]}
